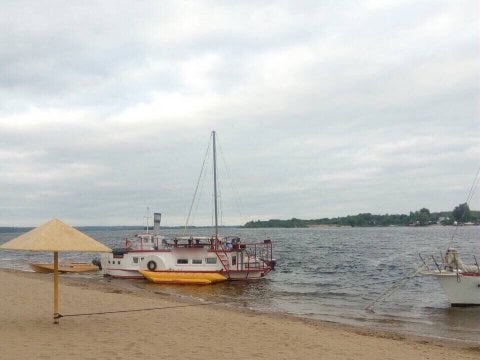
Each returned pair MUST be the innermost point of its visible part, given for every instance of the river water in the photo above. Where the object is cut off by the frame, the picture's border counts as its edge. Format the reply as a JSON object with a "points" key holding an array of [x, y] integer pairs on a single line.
{"points": [[331, 274]]}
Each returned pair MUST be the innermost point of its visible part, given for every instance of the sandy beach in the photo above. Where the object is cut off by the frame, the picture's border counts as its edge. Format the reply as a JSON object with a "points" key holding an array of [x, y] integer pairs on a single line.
{"points": [[180, 330]]}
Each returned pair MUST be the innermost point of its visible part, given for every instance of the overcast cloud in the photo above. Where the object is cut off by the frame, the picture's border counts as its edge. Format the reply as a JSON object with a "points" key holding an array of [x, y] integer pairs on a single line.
{"points": [[322, 108]]}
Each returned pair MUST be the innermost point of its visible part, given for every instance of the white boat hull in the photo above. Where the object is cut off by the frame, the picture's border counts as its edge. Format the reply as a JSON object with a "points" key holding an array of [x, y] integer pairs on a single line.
{"points": [[128, 266], [124, 274], [123, 267], [461, 290]]}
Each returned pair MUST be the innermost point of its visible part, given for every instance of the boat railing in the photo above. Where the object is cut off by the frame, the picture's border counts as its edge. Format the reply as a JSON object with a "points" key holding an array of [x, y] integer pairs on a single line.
{"points": [[451, 262], [186, 242], [257, 256]]}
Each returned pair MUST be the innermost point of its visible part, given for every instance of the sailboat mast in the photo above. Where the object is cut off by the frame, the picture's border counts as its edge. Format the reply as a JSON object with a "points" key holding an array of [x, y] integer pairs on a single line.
{"points": [[215, 184]]}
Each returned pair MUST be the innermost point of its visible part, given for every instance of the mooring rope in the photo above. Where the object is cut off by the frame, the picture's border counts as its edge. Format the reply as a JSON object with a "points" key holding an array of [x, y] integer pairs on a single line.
{"points": [[397, 285], [145, 309], [359, 286]]}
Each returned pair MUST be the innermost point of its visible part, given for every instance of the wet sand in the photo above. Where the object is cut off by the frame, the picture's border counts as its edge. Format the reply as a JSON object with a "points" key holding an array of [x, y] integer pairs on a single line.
{"points": [[180, 330]]}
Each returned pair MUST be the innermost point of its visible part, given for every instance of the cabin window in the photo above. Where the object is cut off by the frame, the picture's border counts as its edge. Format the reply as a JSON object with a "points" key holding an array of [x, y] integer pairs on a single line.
{"points": [[118, 262], [197, 261], [182, 261], [135, 260], [234, 260], [141, 259], [212, 260]]}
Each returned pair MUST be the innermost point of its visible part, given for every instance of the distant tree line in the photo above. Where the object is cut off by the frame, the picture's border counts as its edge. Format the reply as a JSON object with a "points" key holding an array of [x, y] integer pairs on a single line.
{"points": [[422, 217]]}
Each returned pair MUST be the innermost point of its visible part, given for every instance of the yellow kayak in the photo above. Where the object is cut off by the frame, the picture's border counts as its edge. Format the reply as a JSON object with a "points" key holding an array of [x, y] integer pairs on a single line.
{"points": [[73, 267], [177, 277]]}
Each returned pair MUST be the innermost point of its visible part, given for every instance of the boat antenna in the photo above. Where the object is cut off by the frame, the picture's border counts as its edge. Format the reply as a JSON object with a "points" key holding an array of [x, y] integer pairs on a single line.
{"points": [[215, 183]]}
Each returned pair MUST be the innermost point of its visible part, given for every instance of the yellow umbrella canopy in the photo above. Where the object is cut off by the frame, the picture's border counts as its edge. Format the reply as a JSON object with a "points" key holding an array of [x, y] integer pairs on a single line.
{"points": [[58, 237], [55, 236]]}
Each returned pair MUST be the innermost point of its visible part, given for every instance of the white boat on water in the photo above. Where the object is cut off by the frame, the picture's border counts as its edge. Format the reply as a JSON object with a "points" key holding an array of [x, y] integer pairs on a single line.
{"points": [[190, 259], [460, 282]]}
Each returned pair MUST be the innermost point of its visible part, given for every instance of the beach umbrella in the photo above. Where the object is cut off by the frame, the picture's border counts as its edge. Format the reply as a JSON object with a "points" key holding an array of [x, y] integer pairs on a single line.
{"points": [[55, 236]]}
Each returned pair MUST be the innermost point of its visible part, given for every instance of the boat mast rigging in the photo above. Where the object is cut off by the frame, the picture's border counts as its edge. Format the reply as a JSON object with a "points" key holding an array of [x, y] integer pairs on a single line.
{"points": [[469, 198], [215, 184]]}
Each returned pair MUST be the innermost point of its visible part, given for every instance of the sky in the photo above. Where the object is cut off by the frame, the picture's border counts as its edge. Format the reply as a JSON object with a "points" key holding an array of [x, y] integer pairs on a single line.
{"points": [[321, 108]]}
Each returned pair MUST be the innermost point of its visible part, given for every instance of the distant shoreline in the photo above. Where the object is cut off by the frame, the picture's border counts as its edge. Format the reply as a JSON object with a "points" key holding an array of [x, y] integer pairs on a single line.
{"points": [[358, 226], [423, 217]]}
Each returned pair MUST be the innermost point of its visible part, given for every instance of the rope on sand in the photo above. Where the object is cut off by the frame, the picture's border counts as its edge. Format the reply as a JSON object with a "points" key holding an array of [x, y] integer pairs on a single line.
{"points": [[145, 309]]}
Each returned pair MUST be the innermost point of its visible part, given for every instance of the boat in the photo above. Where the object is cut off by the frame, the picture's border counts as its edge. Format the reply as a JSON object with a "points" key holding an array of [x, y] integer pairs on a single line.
{"points": [[190, 259], [460, 282], [194, 260], [211, 259], [66, 267], [123, 262]]}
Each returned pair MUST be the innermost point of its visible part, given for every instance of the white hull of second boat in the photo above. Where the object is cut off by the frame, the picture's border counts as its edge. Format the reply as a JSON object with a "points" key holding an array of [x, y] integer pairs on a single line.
{"points": [[461, 290], [124, 274], [124, 267], [124, 262]]}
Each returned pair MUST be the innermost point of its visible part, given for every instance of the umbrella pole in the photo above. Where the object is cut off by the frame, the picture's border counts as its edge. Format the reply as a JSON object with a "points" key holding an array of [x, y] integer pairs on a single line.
{"points": [[55, 287]]}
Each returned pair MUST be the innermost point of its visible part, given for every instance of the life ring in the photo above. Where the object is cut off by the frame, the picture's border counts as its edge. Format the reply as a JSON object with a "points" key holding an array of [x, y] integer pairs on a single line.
{"points": [[151, 265], [128, 244]]}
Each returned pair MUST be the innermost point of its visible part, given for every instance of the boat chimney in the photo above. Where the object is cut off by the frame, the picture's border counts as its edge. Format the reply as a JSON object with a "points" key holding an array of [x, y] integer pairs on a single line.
{"points": [[157, 217]]}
